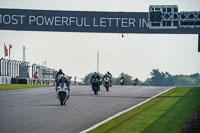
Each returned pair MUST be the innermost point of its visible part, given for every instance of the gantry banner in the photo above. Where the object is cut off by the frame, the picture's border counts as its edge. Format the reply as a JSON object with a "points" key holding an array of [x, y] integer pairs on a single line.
{"points": [[82, 21]]}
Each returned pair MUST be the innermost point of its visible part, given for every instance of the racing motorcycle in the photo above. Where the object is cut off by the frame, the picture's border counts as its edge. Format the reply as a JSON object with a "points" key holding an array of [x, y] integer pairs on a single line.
{"points": [[95, 85], [106, 81], [135, 82], [122, 81], [63, 89]]}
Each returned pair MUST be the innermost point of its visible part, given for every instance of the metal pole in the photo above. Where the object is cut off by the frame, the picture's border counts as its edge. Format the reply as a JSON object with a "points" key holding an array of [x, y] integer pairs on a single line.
{"points": [[33, 69], [14, 69], [3, 67], [24, 48], [199, 42], [7, 64], [0, 66], [8, 67], [97, 61], [4, 51]]}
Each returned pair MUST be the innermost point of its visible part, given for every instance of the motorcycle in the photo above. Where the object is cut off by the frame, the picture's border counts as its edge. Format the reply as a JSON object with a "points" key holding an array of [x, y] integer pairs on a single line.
{"points": [[122, 81], [106, 81], [95, 86], [63, 89], [135, 82]]}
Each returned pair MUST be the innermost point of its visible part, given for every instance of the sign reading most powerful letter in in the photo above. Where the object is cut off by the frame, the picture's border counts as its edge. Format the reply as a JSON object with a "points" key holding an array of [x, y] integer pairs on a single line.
{"points": [[81, 21]]}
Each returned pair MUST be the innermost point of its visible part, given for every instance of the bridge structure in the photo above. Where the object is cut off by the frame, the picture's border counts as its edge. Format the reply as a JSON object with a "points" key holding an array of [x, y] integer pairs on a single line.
{"points": [[161, 19]]}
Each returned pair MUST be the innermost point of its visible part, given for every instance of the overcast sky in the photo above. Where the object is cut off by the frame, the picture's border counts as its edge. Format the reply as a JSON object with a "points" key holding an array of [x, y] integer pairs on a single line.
{"points": [[76, 53]]}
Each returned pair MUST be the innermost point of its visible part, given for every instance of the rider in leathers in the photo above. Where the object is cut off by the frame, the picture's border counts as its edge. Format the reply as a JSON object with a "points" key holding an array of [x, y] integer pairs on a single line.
{"points": [[109, 75], [95, 75], [67, 79]]}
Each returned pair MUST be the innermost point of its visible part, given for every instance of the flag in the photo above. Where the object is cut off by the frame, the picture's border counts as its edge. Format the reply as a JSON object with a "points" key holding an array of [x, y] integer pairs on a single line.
{"points": [[10, 46], [5, 50]]}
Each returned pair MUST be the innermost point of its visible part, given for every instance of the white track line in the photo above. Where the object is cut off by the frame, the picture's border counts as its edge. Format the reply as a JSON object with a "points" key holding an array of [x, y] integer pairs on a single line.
{"points": [[122, 112]]}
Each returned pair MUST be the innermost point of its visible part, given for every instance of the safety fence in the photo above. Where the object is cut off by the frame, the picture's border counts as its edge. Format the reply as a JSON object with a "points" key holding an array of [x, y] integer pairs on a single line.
{"points": [[5, 80], [21, 72]]}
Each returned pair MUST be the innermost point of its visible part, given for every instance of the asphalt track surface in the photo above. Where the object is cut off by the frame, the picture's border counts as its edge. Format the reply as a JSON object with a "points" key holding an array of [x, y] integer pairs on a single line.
{"points": [[37, 110]]}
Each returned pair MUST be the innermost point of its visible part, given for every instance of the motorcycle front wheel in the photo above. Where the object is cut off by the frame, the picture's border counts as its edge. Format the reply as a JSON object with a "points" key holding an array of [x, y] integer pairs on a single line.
{"points": [[62, 97], [95, 90], [107, 88]]}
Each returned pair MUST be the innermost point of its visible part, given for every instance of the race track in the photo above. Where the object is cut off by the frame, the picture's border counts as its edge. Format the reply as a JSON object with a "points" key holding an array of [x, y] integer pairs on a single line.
{"points": [[38, 110]]}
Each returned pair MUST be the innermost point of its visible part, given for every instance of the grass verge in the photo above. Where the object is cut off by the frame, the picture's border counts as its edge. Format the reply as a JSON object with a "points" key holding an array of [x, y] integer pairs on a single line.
{"points": [[7, 87], [163, 114]]}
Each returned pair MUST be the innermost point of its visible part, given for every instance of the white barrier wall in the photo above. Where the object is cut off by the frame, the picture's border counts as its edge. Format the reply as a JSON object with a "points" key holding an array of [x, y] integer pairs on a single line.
{"points": [[5, 80]]}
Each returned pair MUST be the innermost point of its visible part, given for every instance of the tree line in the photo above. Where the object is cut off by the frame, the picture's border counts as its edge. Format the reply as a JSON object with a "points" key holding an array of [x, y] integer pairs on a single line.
{"points": [[157, 79]]}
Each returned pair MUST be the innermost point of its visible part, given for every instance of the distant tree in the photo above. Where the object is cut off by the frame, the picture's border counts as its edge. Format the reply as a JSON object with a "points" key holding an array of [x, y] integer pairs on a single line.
{"points": [[196, 75], [140, 83], [87, 78], [128, 79], [183, 80], [165, 79], [157, 78], [146, 82], [169, 81], [197, 81], [114, 81], [196, 78]]}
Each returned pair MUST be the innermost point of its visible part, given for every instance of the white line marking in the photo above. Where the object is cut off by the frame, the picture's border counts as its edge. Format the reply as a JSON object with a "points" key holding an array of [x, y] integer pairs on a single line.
{"points": [[122, 112]]}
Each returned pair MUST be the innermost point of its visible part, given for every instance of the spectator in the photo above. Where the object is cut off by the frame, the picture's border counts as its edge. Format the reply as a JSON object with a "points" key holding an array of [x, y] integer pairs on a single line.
{"points": [[35, 75]]}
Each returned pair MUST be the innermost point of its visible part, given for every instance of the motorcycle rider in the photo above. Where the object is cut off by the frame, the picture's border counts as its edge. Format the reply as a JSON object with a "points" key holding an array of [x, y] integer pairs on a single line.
{"points": [[135, 82], [123, 79], [67, 79], [109, 75], [56, 78], [95, 75], [59, 73]]}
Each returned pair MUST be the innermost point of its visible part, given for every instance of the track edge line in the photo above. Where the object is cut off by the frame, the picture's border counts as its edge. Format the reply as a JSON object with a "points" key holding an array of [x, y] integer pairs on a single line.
{"points": [[122, 112]]}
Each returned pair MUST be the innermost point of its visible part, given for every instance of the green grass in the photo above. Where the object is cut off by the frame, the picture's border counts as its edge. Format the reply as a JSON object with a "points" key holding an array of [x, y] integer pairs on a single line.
{"points": [[163, 114], [7, 87]]}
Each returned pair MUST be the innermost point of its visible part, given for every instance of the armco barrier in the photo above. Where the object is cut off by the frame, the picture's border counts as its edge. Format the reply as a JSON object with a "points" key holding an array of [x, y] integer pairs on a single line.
{"points": [[32, 81], [36, 81], [5, 80]]}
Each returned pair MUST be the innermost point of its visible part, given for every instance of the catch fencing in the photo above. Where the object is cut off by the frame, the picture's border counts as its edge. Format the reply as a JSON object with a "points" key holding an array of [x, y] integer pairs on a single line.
{"points": [[21, 72]]}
